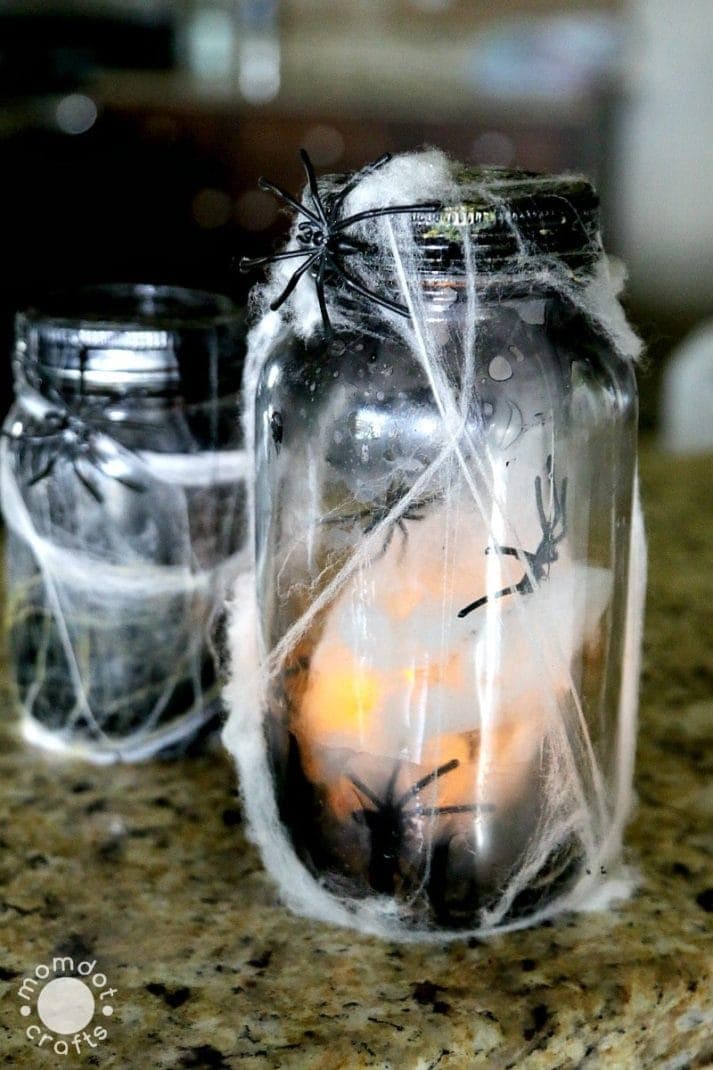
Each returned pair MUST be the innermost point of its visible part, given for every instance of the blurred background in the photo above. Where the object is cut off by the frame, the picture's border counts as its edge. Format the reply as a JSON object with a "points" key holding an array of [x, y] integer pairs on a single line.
{"points": [[133, 132]]}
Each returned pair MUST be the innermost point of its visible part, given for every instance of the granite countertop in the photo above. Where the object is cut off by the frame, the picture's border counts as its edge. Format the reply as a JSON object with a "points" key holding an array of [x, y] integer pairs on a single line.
{"points": [[146, 871]]}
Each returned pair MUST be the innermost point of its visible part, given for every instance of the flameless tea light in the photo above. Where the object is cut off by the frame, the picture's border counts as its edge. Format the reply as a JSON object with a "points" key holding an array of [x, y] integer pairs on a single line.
{"points": [[432, 707]]}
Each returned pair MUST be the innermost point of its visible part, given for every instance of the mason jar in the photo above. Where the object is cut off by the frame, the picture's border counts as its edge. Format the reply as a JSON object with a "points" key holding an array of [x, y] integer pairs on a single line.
{"points": [[443, 529], [123, 492]]}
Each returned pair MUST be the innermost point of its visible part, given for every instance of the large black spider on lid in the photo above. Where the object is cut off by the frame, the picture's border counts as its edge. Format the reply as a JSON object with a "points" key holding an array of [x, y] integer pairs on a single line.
{"points": [[324, 241]]}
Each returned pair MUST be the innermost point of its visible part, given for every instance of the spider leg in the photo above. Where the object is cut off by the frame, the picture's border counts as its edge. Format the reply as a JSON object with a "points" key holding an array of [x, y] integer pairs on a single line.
{"points": [[347, 246], [129, 449], [401, 310], [559, 500], [368, 170], [391, 786], [416, 788], [43, 473], [124, 425], [313, 187], [389, 538], [274, 305], [361, 786], [473, 606], [345, 518], [544, 522], [83, 354], [87, 483], [106, 427], [404, 536], [33, 440], [522, 587], [54, 395], [246, 264], [560, 509], [54, 423], [505, 551], [319, 286], [435, 811], [375, 518], [269, 187], [130, 484], [533, 560], [375, 213]]}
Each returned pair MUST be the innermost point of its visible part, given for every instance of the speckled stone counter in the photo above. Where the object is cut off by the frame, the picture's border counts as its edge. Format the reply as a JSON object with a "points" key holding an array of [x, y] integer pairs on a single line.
{"points": [[146, 871]]}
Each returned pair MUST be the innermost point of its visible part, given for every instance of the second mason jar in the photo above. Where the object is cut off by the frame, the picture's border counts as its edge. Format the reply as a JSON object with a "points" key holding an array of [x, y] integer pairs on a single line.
{"points": [[123, 492]]}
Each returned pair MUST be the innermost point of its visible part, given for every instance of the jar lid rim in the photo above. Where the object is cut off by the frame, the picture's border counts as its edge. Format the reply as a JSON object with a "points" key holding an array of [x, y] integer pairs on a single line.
{"points": [[505, 215], [119, 337], [139, 308]]}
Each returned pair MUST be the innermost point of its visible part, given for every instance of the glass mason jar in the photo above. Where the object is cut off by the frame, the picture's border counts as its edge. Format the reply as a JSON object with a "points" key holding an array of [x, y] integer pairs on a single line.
{"points": [[123, 492], [443, 732]]}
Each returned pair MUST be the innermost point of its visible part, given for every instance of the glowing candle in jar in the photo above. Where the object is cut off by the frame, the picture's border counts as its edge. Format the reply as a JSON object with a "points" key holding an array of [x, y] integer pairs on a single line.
{"points": [[408, 699]]}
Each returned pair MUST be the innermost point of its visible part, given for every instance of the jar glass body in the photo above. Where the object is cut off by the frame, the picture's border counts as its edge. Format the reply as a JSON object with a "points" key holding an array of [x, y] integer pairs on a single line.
{"points": [[443, 729], [125, 509]]}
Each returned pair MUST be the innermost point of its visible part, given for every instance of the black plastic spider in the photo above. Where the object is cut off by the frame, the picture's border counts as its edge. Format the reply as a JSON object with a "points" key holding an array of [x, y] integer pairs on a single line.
{"points": [[546, 553], [376, 514], [74, 436], [322, 233], [72, 433], [387, 820]]}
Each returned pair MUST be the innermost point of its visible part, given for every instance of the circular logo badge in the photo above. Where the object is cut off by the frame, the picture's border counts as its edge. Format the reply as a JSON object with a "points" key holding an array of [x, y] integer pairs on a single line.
{"points": [[67, 998]]}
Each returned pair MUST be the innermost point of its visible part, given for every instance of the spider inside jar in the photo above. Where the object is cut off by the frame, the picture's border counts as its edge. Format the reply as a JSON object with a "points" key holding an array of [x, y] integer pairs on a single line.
{"points": [[377, 513], [554, 530], [387, 822], [73, 432]]}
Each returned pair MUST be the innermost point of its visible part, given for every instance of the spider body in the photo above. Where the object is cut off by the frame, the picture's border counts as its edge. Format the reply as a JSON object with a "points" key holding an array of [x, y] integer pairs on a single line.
{"points": [[388, 819], [379, 512], [554, 530], [415, 511], [324, 241], [73, 434]]}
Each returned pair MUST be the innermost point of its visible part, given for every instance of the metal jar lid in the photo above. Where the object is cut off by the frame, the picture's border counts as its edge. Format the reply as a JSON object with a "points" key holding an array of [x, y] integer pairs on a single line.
{"points": [[126, 338], [511, 217]]}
